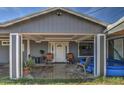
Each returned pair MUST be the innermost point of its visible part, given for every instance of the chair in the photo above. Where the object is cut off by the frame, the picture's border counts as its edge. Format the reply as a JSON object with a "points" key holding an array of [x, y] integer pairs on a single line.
{"points": [[85, 64], [79, 71], [70, 57], [49, 57]]}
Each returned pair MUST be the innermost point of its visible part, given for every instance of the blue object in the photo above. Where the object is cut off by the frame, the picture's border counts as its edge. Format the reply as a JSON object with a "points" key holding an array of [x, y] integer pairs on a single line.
{"points": [[115, 71], [82, 60], [114, 67]]}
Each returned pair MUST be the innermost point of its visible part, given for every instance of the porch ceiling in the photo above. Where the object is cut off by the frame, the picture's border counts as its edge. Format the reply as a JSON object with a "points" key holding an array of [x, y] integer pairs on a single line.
{"points": [[40, 38], [116, 34]]}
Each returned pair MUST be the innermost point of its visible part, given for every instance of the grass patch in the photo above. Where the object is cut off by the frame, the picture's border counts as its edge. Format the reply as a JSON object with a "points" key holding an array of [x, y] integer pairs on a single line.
{"points": [[97, 81], [106, 81], [40, 81]]}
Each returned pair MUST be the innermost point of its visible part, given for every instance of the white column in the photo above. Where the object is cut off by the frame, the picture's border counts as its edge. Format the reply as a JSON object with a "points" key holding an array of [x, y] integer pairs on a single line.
{"points": [[95, 56], [28, 48], [15, 56], [100, 55]]}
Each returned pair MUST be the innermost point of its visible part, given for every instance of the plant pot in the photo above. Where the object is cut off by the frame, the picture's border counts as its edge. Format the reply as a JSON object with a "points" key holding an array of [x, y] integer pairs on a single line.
{"points": [[26, 71]]}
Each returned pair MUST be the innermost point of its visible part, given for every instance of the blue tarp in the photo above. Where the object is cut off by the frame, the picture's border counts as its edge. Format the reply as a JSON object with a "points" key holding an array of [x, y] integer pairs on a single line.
{"points": [[114, 67]]}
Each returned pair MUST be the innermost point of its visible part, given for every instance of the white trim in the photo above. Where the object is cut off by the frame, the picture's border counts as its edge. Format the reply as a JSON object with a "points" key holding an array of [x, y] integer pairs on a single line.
{"points": [[95, 56], [122, 47], [17, 56], [54, 48], [28, 48], [14, 33], [100, 34], [4, 36], [21, 56], [10, 56], [80, 34], [105, 55], [107, 46], [115, 24], [54, 38], [50, 40], [115, 37], [5, 41], [85, 56], [79, 46], [98, 55]]}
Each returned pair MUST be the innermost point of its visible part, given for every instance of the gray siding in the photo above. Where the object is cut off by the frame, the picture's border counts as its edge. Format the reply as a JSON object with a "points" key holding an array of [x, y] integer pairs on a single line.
{"points": [[73, 48], [4, 54], [102, 60], [14, 69], [36, 47], [51, 23]]}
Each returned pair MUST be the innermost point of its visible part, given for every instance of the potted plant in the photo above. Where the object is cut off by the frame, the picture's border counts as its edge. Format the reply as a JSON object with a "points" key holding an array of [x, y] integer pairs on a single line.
{"points": [[28, 66]]}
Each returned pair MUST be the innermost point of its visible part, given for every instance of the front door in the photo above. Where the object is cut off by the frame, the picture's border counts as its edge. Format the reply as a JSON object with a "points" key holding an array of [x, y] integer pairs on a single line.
{"points": [[60, 53]]}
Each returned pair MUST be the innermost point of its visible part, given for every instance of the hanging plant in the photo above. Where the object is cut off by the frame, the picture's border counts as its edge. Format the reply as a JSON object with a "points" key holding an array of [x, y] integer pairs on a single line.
{"points": [[42, 51]]}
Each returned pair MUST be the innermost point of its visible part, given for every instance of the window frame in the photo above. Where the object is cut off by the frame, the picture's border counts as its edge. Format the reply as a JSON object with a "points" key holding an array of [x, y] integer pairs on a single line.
{"points": [[79, 48], [5, 41]]}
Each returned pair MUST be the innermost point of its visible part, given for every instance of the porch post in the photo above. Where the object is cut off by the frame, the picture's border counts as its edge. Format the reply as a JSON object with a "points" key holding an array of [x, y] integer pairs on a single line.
{"points": [[15, 56], [28, 48], [100, 55]]}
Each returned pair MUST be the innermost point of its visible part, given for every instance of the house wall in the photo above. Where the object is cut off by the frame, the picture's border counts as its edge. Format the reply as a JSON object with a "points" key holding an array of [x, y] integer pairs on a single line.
{"points": [[36, 47], [73, 48], [51, 23], [4, 53]]}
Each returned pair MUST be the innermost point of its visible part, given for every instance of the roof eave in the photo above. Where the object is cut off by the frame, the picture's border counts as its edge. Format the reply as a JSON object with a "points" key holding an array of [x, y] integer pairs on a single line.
{"points": [[50, 10]]}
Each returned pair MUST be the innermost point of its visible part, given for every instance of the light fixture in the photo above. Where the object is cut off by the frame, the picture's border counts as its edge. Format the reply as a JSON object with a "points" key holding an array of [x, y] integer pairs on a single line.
{"points": [[38, 41], [59, 13]]}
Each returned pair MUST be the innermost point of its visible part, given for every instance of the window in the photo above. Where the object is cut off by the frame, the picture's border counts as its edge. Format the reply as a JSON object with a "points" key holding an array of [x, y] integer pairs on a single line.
{"points": [[5, 43], [86, 49]]}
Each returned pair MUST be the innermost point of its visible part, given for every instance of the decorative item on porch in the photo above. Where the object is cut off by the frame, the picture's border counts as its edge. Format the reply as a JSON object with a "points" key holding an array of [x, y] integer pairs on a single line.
{"points": [[42, 51], [28, 66], [49, 57], [43, 57], [70, 57]]}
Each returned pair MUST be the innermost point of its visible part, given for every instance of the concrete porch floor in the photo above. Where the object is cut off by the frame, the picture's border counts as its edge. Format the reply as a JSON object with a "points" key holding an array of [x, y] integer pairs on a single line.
{"points": [[4, 71], [54, 71], [46, 71]]}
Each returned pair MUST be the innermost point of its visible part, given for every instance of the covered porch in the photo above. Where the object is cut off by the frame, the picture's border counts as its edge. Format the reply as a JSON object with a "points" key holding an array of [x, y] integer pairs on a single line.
{"points": [[80, 45], [59, 46], [115, 52]]}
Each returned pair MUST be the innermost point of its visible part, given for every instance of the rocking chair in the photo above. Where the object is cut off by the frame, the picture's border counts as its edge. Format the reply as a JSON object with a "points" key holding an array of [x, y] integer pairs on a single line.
{"points": [[79, 71]]}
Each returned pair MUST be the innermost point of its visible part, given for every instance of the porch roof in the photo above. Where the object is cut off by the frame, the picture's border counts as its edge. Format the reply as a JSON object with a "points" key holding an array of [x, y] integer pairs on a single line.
{"points": [[116, 27], [59, 37]]}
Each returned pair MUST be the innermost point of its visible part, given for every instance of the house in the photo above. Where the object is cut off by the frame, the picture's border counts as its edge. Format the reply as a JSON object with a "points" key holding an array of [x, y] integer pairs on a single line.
{"points": [[115, 34], [54, 30]]}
